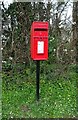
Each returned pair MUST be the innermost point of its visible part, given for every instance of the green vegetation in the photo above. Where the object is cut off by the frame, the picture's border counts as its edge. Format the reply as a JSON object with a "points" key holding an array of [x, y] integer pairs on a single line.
{"points": [[58, 75], [57, 97]]}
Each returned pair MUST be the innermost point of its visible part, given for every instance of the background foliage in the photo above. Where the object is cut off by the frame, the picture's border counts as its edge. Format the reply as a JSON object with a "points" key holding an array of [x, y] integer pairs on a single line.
{"points": [[58, 75]]}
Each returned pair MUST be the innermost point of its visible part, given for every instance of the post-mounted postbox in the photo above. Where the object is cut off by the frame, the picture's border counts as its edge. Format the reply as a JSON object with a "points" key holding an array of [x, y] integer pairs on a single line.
{"points": [[39, 41]]}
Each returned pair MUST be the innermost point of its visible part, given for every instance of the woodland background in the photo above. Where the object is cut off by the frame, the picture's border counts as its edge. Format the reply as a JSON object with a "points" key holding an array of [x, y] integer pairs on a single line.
{"points": [[58, 75]]}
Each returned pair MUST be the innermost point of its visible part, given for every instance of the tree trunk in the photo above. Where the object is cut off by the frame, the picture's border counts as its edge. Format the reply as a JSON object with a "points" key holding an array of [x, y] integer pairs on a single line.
{"points": [[75, 30]]}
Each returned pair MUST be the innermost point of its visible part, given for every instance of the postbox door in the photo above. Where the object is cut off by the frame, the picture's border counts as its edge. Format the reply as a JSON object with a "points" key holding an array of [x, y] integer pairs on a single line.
{"points": [[40, 48]]}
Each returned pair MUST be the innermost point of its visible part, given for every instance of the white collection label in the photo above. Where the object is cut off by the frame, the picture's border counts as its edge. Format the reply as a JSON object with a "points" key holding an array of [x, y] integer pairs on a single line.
{"points": [[40, 47]]}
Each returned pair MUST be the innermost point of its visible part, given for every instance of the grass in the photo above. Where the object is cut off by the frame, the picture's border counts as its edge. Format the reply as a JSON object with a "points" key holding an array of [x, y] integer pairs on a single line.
{"points": [[57, 100], [0, 96]]}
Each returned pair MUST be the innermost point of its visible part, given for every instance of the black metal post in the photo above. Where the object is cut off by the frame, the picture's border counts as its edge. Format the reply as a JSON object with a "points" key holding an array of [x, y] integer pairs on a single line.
{"points": [[37, 78]]}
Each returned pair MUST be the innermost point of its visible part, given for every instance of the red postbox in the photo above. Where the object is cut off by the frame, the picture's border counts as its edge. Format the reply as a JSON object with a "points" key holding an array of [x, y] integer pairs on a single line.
{"points": [[39, 41]]}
